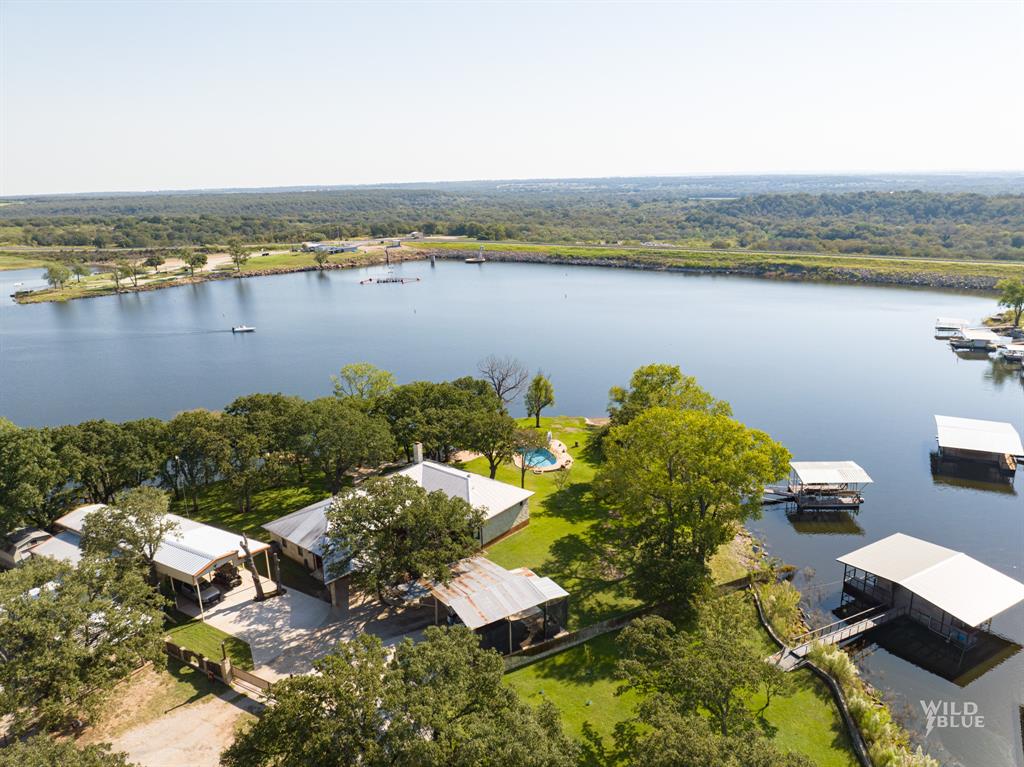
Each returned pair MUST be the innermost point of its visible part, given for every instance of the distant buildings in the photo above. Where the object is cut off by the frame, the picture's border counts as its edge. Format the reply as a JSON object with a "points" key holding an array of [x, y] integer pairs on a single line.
{"points": [[324, 247]]}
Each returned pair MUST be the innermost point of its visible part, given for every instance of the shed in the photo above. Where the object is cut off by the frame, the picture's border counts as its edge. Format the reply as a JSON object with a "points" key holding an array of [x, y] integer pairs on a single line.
{"points": [[508, 608]]}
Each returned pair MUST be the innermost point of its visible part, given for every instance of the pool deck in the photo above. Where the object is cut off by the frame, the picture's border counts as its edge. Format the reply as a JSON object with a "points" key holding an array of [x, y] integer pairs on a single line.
{"points": [[562, 458]]}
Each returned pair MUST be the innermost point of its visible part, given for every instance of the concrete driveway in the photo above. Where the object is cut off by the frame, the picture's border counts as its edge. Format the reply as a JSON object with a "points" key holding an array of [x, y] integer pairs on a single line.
{"points": [[288, 632]]}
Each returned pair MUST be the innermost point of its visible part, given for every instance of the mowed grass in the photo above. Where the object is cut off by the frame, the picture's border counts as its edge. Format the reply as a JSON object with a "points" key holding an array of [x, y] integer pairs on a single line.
{"points": [[14, 261], [218, 507], [556, 543], [581, 683], [208, 641]]}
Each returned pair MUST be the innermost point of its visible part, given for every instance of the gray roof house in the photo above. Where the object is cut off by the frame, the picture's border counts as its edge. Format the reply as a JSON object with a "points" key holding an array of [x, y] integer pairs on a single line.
{"points": [[302, 535]]}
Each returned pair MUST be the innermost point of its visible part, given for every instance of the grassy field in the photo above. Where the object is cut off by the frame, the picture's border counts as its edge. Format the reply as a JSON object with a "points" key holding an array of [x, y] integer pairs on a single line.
{"points": [[16, 261], [817, 266], [580, 682], [218, 507], [207, 640], [556, 542]]}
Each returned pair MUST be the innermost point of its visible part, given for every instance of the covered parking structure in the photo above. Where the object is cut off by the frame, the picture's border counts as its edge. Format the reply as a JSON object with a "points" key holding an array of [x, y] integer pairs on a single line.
{"points": [[189, 555], [944, 590], [509, 609], [993, 443]]}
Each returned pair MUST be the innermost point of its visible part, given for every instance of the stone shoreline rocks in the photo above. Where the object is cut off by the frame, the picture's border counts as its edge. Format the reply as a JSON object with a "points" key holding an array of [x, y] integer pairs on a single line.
{"points": [[794, 272]]}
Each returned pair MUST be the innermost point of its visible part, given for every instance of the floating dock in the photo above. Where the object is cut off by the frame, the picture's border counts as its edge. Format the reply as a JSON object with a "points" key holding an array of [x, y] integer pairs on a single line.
{"points": [[821, 486]]}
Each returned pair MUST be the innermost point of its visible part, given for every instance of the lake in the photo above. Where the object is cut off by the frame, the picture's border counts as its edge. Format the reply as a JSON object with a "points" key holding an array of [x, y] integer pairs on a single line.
{"points": [[834, 372]]}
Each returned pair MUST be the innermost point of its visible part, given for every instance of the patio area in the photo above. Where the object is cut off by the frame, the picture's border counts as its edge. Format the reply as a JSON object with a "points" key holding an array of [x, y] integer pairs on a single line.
{"points": [[288, 632]]}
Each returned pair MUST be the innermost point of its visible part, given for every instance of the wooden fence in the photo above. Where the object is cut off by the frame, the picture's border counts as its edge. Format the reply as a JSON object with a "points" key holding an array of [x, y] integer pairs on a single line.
{"points": [[221, 670]]}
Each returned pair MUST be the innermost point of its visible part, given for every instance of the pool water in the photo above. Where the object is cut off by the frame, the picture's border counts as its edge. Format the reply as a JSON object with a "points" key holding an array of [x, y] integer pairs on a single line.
{"points": [[541, 458]]}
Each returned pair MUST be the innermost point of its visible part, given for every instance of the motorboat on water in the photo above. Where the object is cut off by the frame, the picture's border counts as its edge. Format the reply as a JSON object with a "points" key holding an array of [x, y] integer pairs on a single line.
{"points": [[947, 327], [242, 329], [1012, 354]]}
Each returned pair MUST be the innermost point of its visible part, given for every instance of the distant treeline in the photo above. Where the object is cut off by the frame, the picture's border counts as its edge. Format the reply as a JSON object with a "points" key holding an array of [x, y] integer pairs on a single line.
{"points": [[899, 223]]}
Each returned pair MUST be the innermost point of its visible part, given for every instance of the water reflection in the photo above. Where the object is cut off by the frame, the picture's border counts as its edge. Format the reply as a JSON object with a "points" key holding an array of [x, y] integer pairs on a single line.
{"points": [[824, 522], [915, 644], [970, 475]]}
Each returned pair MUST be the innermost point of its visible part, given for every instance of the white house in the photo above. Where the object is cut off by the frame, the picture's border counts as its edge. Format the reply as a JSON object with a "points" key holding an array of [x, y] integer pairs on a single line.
{"points": [[302, 535]]}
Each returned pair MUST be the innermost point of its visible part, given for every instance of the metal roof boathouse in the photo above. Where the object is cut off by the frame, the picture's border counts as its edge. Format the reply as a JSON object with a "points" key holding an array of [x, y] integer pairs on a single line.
{"points": [[944, 590], [822, 486], [993, 443]]}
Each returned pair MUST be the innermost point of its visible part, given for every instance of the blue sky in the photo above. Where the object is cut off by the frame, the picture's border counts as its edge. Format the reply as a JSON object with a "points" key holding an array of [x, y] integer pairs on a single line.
{"points": [[149, 95]]}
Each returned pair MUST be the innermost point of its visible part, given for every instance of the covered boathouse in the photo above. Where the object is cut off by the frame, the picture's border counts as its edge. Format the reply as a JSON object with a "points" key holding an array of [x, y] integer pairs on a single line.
{"points": [[821, 486], [990, 443], [944, 590], [509, 609]]}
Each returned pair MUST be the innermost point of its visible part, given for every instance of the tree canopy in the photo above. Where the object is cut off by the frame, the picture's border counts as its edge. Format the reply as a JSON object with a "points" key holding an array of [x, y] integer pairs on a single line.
{"points": [[68, 635], [679, 482], [539, 395], [392, 531], [1011, 295], [44, 751], [436, 703], [132, 529]]}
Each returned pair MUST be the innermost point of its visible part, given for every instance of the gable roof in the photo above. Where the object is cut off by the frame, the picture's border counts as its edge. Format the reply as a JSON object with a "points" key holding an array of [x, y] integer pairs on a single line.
{"points": [[307, 527], [481, 492], [830, 472], [191, 550], [977, 435], [952, 581], [481, 592]]}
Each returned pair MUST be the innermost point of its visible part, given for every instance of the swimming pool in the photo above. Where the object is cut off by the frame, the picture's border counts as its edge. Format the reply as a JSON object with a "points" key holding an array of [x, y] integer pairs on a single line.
{"points": [[540, 458]]}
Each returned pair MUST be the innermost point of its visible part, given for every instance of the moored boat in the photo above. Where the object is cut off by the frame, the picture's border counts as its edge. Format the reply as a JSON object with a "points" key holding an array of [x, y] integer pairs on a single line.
{"points": [[242, 329]]}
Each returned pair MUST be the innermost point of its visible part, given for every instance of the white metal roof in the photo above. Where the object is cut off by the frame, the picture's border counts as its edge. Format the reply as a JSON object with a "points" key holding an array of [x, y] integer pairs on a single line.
{"points": [[979, 334], [481, 492], [305, 528], [982, 436], [63, 546], [192, 549], [952, 581], [830, 472], [481, 592]]}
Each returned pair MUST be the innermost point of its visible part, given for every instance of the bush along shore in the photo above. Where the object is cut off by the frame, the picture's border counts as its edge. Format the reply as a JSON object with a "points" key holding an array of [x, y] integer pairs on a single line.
{"points": [[172, 280], [958, 275]]}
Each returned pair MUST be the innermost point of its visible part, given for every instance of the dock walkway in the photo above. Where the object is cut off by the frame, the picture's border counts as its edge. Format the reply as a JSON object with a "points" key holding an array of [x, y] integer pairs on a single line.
{"points": [[790, 658]]}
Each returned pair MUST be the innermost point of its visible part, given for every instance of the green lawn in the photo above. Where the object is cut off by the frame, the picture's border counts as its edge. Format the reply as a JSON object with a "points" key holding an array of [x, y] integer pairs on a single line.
{"points": [[556, 542], [218, 507], [14, 261], [206, 640], [581, 684]]}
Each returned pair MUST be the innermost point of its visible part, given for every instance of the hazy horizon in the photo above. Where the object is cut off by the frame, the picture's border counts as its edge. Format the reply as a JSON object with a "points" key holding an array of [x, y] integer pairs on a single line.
{"points": [[103, 97]]}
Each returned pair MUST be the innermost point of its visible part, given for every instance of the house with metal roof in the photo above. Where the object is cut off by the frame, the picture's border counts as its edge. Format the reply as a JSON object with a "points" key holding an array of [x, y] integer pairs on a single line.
{"points": [[944, 590], [509, 609], [190, 555], [302, 535], [993, 443]]}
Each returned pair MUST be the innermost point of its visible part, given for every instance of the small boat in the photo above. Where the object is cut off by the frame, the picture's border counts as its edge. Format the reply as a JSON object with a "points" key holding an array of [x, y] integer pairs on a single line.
{"points": [[242, 329], [478, 258], [1011, 354], [947, 327]]}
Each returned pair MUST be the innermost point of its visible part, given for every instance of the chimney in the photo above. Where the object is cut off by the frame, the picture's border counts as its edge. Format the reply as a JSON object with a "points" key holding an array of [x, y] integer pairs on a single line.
{"points": [[417, 453]]}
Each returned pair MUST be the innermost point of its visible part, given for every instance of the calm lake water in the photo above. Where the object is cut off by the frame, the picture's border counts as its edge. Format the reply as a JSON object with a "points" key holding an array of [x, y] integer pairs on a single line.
{"points": [[834, 372]]}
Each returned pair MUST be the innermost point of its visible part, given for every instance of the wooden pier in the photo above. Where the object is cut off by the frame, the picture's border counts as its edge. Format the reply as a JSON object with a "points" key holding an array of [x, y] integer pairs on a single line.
{"points": [[790, 658]]}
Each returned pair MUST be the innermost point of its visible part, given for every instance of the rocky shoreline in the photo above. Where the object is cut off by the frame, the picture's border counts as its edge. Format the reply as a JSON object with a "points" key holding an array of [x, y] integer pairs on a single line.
{"points": [[796, 273]]}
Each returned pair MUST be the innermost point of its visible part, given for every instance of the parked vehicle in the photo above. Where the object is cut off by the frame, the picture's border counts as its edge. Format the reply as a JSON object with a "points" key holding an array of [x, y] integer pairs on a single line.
{"points": [[226, 577], [211, 595]]}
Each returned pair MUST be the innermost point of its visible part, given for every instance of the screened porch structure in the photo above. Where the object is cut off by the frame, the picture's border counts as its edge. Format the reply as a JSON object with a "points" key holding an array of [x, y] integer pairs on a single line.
{"points": [[948, 592], [509, 609]]}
